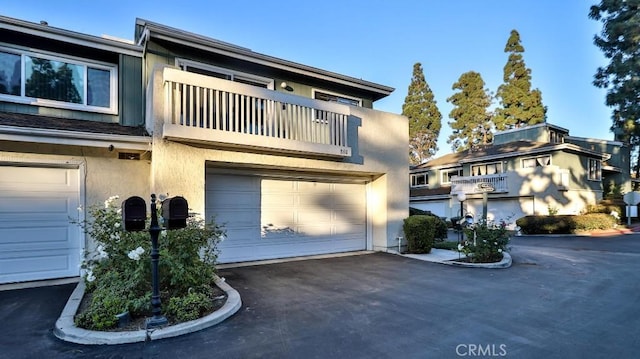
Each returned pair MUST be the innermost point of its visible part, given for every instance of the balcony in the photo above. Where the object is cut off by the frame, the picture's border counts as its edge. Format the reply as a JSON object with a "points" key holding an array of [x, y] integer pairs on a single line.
{"points": [[521, 182], [495, 183], [220, 113]]}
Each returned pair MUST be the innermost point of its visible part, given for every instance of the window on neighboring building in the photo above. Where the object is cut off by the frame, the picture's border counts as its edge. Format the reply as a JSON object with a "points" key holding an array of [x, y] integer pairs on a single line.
{"points": [[556, 137], [539, 161], [55, 81], [419, 180], [447, 175], [334, 97], [486, 169], [595, 169]]}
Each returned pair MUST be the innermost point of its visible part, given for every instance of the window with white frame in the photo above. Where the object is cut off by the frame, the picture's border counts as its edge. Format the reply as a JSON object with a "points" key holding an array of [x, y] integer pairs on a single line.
{"points": [[419, 179], [539, 161], [556, 137], [56, 81], [223, 73], [595, 169], [447, 175], [335, 97], [486, 169]]}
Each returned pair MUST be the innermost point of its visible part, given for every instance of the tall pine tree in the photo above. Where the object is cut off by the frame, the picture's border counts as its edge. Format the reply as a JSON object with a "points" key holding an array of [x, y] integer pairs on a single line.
{"points": [[425, 120], [471, 117], [519, 104], [620, 43]]}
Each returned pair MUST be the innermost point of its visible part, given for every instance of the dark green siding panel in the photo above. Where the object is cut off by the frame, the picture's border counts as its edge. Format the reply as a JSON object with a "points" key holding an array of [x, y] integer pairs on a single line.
{"points": [[130, 91]]}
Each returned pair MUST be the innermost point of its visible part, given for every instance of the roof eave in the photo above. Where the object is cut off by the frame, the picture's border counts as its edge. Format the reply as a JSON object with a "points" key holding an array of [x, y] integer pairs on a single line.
{"points": [[168, 33], [54, 33]]}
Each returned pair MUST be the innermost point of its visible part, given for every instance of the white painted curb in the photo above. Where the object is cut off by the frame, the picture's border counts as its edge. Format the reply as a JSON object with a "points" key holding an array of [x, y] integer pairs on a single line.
{"points": [[66, 329]]}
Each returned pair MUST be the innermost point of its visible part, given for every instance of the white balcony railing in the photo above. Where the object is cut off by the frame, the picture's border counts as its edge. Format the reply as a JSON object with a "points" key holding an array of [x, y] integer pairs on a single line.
{"points": [[478, 184], [225, 112]]}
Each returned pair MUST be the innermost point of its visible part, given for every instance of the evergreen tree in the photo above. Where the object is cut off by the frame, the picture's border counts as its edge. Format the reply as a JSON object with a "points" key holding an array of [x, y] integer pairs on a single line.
{"points": [[520, 105], [471, 117], [620, 43], [424, 118]]}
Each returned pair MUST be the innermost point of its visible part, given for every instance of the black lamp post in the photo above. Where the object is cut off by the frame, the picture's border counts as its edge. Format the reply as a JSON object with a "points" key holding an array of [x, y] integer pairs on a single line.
{"points": [[156, 306], [134, 213], [461, 198]]}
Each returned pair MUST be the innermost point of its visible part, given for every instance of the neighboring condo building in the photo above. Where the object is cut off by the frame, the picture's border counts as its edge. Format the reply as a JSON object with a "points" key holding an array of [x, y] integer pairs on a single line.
{"points": [[527, 170]]}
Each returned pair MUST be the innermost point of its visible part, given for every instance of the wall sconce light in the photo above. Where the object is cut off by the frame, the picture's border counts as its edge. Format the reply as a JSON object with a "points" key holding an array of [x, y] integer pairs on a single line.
{"points": [[286, 86]]}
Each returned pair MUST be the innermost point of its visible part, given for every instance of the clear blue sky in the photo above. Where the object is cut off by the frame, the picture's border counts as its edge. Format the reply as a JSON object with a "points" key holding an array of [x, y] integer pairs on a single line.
{"points": [[379, 41]]}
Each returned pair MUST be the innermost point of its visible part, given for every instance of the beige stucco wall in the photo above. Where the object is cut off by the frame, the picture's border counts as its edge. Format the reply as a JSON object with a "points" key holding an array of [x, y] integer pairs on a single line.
{"points": [[179, 169]]}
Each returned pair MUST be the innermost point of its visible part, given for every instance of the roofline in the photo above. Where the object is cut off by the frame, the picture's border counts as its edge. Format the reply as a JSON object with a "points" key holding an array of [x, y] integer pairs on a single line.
{"points": [[557, 147], [596, 140], [74, 138], [69, 36], [542, 124], [168, 33]]}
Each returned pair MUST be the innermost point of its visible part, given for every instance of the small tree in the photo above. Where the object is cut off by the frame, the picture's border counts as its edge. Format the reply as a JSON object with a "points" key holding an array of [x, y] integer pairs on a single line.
{"points": [[471, 123], [520, 105], [424, 118]]}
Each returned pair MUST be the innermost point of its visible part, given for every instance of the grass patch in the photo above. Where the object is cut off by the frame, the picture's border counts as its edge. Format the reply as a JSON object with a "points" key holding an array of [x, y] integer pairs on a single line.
{"points": [[452, 246]]}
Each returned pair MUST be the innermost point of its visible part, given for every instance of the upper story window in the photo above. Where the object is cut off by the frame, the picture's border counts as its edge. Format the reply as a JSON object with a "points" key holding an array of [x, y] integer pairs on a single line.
{"points": [[486, 169], [335, 97], [447, 175], [419, 180], [539, 161], [53, 81], [556, 137], [223, 73], [595, 169]]}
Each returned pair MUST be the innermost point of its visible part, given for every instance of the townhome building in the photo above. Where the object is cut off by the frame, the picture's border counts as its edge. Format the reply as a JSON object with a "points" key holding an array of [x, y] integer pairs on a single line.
{"points": [[292, 159], [532, 170]]}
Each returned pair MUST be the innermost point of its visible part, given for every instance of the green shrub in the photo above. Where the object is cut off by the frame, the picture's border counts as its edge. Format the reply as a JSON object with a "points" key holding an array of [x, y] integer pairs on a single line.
{"points": [[559, 224], [441, 231], [190, 307], [420, 232], [118, 271], [593, 221], [565, 224]]}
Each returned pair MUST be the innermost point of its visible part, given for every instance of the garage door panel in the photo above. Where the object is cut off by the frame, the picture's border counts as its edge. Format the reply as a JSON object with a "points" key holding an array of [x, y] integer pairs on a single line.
{"points": [[229, 199], [32, 179], [38, 264], [43, 236], [276, 199]]}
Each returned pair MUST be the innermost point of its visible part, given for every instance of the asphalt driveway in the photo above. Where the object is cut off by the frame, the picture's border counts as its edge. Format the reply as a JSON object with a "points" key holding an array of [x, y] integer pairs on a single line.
{"points": [[562, 298]]}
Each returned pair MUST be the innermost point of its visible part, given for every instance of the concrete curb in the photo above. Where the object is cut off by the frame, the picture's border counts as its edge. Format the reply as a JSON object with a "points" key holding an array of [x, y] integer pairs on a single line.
{"points": [[504, 263], [66, 329], [449, 258]]}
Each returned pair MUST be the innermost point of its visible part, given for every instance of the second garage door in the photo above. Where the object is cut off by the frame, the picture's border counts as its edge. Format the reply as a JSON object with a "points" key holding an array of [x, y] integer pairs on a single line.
{"points": [[270, 218]]}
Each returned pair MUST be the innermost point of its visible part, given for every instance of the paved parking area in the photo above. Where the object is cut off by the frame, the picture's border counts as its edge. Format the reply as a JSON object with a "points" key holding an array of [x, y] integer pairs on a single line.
{"points": [[569, 297]]}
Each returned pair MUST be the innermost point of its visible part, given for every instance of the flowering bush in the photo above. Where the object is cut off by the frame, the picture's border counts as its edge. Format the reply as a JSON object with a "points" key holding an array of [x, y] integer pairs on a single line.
{"points": [[485, 243], [118, 270]]}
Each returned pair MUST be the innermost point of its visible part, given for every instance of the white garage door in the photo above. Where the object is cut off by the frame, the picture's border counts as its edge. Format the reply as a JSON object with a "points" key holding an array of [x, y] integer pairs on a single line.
{"points": [[277, 218], [36, 239]]}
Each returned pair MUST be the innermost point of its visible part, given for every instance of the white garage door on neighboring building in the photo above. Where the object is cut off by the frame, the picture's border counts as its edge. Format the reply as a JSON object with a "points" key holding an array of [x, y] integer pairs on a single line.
{"points": [[37, 241], [270, 218]]}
